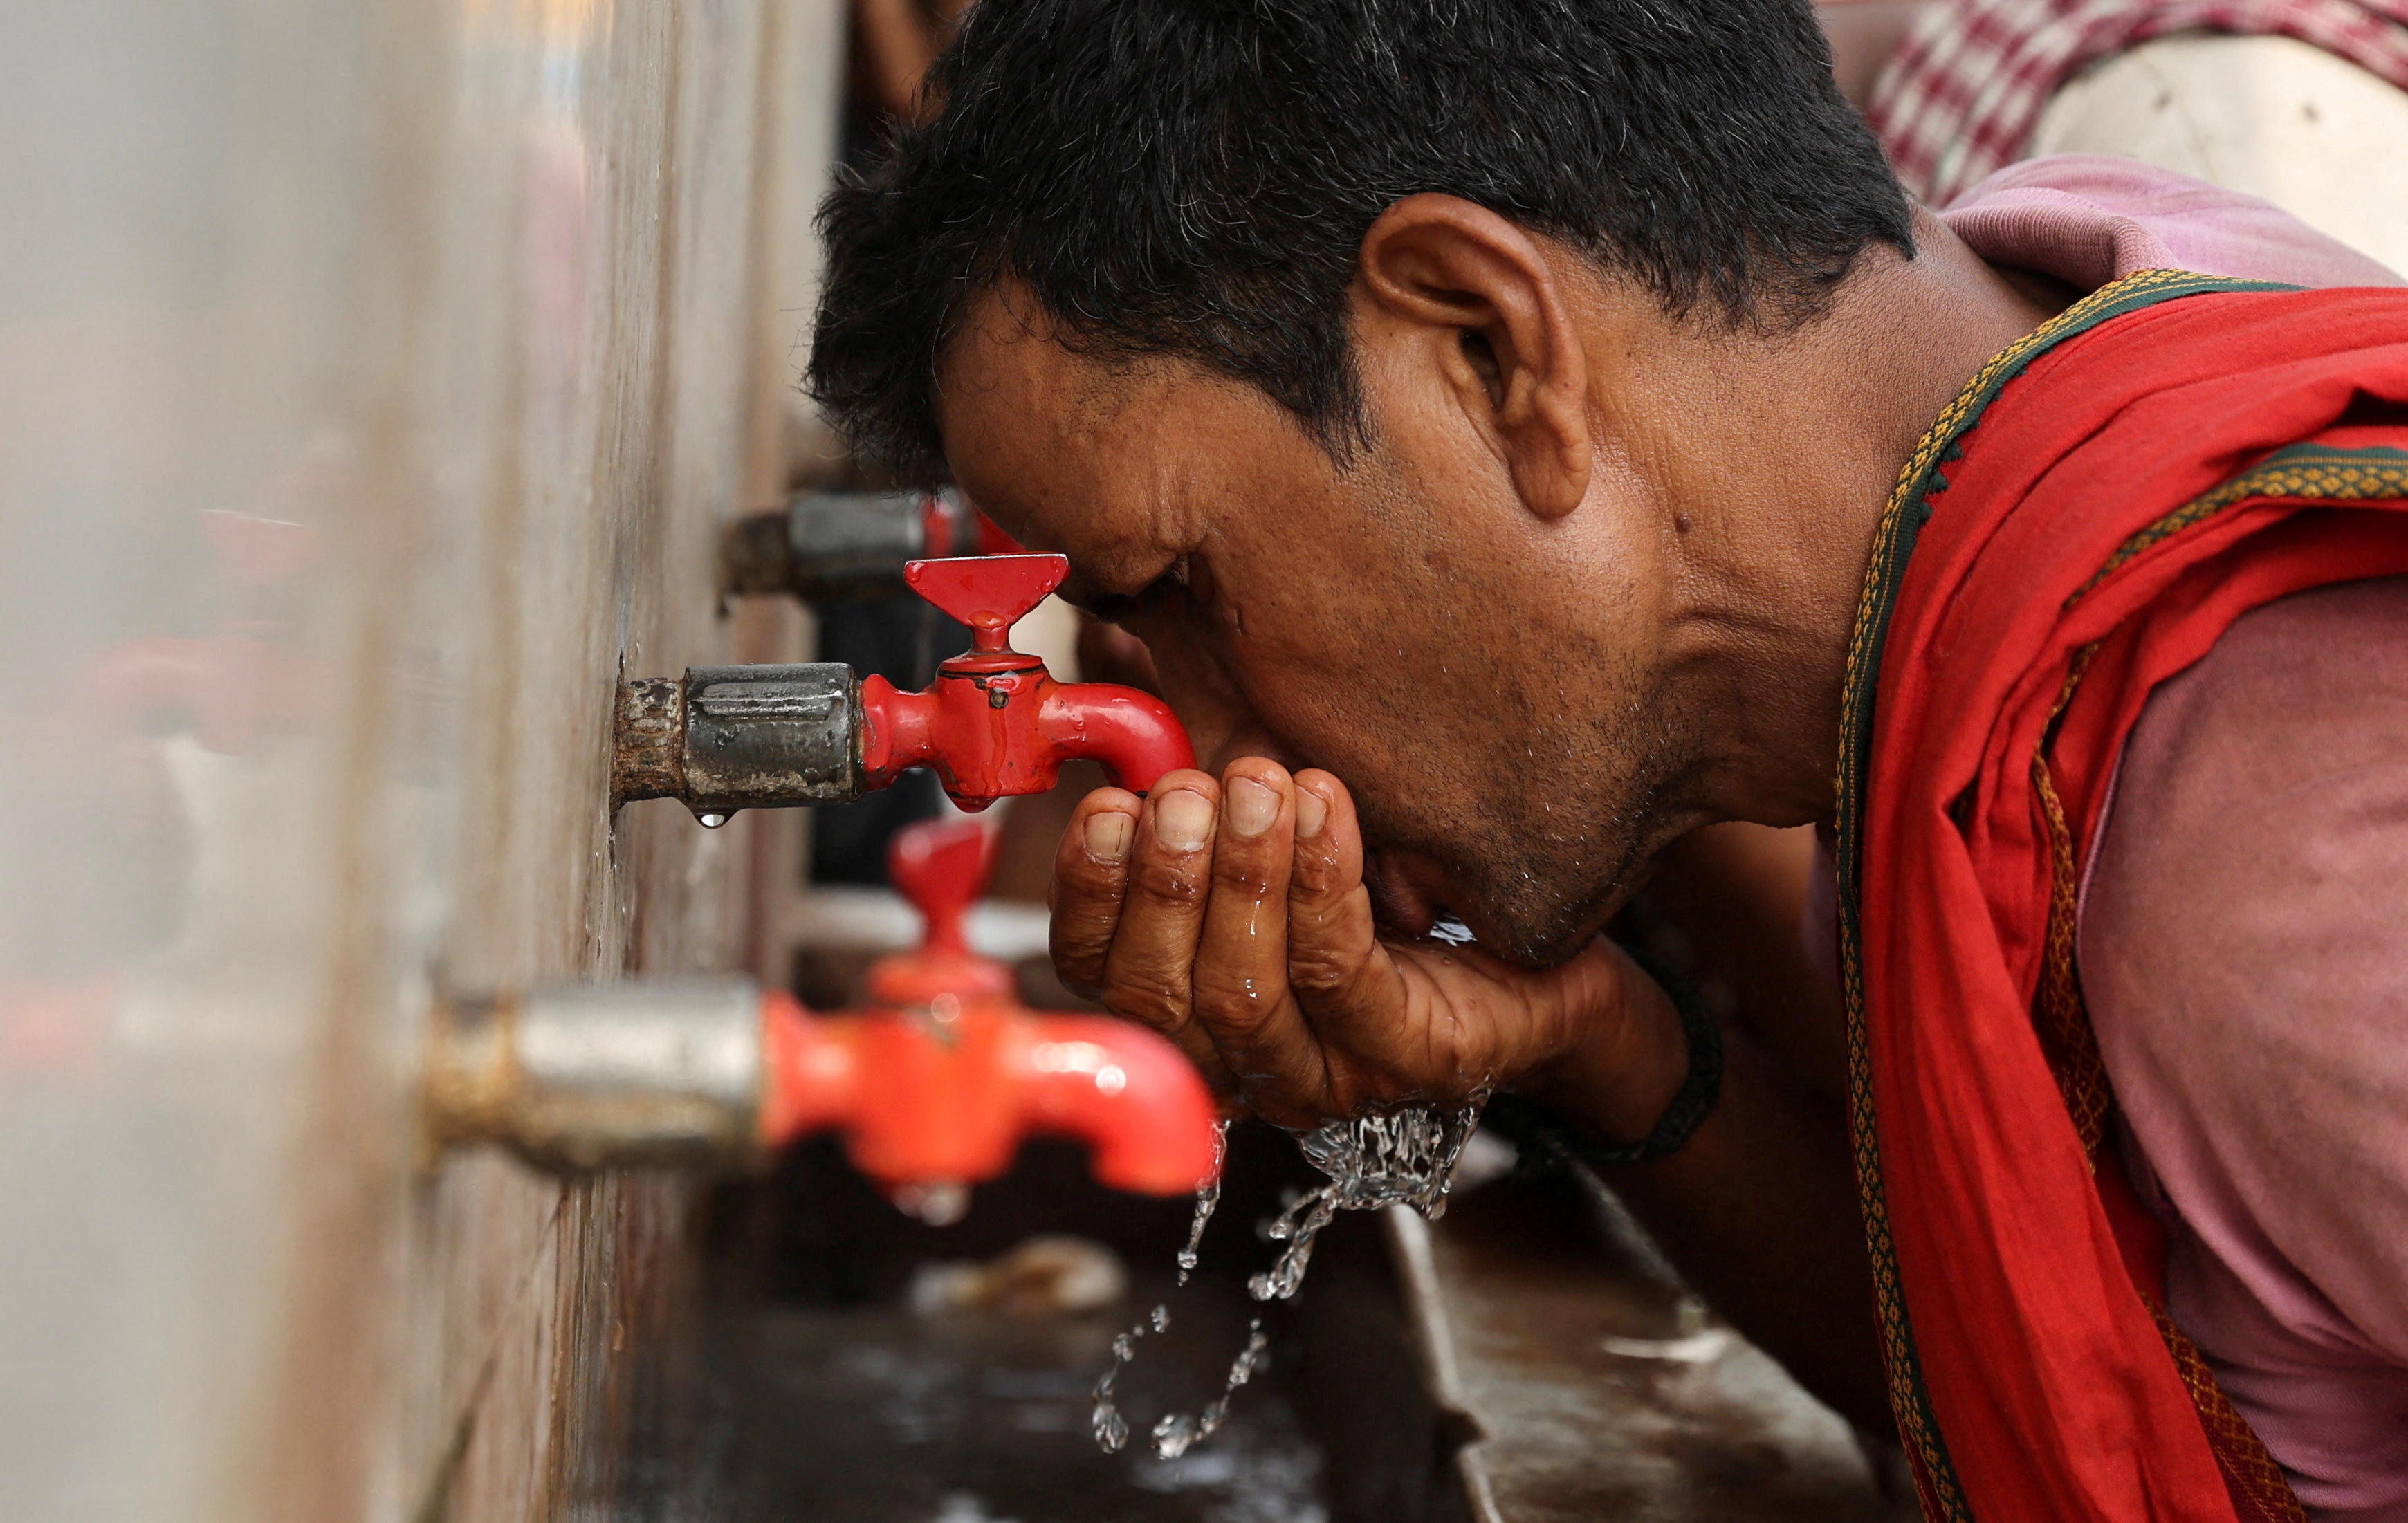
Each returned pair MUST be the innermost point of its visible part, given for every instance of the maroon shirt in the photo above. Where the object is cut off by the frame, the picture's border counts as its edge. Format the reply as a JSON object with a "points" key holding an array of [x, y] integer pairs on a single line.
{"points": [[2244, 951]]}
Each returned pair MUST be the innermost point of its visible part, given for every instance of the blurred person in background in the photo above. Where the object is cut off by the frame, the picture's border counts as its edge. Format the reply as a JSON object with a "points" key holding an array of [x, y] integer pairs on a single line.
{"points": [[2302, 103]]}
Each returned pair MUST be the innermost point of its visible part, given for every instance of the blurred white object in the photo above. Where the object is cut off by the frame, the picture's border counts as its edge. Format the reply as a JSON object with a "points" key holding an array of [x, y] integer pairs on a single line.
{"points": [[1048, 1275], [878, 919], [2321, 138]]}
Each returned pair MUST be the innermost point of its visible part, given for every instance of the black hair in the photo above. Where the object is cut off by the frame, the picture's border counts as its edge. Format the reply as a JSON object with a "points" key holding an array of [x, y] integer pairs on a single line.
{"points": [[1193, 179]]}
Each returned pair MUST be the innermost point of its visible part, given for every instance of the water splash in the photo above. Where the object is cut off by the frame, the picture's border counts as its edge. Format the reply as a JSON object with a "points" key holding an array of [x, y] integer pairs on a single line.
{"points": [[1110, 1428], [1446, 928], [1176, 1433], [1207, 1196], [1400, 1159]]}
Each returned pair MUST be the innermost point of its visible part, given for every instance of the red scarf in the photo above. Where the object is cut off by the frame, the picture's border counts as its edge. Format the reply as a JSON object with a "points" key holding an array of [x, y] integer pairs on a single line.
{"points": [[2101, 503]]}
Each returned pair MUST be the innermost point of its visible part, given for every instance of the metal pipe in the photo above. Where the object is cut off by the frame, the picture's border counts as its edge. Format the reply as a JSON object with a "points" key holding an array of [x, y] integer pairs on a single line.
{"points": [[830, 547], [583, 1076]]}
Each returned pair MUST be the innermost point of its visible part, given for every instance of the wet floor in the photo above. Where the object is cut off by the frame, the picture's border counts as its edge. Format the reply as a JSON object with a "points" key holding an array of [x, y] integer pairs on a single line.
{"points": [[1578, 1387], [840, 1403], [877, 1415]]}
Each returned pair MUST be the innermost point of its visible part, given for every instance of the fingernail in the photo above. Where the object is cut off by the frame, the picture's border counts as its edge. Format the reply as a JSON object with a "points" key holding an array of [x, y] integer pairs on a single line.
{"points": [[1182, 819], [1108, 834], [1251, 807], [1310, 813]]}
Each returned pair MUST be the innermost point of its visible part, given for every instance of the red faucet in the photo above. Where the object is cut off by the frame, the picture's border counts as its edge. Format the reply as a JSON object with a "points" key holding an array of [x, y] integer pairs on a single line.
{"points": [[933, 1082], [936, 1082], [995, 723]]}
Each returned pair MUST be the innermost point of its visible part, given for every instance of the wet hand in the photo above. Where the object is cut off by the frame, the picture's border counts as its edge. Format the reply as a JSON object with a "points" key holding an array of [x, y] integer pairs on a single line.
{"points": [[1231, 916]]}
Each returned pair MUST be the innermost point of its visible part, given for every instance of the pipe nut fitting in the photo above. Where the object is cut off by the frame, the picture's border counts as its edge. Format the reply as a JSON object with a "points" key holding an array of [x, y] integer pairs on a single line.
{"points": [[724, 738], [584, 1078]]}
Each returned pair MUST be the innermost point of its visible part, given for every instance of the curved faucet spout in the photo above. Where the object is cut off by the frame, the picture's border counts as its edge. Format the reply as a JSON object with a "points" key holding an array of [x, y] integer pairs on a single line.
{"points": [[1145, 1116], [934, 1081], [1134, 733]]}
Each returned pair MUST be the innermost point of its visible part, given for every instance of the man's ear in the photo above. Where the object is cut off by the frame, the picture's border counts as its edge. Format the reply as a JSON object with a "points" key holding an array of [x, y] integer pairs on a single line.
{"points": [[1474, 295]]}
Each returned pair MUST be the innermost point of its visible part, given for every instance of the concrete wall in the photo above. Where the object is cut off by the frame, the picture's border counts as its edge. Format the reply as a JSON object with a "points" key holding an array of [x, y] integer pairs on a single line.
{"points": [[372, 377]]}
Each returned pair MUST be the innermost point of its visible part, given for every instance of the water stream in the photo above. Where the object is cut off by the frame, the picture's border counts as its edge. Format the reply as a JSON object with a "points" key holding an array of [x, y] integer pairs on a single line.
{"points": [[1401, 1160], [1206, 1196]]}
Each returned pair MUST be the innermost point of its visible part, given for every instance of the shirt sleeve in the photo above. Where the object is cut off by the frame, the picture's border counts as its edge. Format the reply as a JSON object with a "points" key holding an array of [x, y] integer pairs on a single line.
{"points": [[2244, 955]]}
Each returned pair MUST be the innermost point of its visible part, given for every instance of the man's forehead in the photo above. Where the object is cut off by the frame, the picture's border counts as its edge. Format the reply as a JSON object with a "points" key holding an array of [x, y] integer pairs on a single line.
{"points": [[1009, 352], [1046, 440], [1104, 458]]}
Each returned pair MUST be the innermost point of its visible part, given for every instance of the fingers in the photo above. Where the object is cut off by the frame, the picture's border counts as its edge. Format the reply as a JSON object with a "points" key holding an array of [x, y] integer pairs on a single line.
{"points": [[1090, 873], [1148, 972], [1346, 983], [1241, 988]]}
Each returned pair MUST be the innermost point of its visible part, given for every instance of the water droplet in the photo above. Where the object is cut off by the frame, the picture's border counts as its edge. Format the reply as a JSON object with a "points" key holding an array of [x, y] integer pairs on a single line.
{"points": [[1160, 1318], [1110, 1429], [1176, 1433], [712, 821], [1207, 1197]]}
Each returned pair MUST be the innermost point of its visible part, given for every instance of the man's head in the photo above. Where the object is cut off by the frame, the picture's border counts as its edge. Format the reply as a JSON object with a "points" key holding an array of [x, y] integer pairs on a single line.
{"points": [[1328, 340]]}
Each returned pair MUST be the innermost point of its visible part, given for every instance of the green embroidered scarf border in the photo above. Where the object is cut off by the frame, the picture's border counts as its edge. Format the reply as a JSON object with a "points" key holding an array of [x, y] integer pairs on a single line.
{"points": [[1908, 510], [2299, 470]]}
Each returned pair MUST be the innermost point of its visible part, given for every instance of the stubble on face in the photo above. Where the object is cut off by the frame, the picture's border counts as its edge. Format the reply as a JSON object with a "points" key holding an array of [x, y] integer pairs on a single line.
{"points": [[1528, 792], [1539, 856]]}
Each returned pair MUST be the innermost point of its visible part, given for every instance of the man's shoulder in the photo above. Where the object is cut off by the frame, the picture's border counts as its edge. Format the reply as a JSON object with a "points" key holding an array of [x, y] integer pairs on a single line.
{"points": [[2306, 691], [2269, 774], [2244, 945]]}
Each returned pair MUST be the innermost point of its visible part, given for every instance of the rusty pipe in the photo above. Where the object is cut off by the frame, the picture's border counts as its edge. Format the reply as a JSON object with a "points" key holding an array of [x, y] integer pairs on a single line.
{"points": [[583, 1076], [723, 739]]}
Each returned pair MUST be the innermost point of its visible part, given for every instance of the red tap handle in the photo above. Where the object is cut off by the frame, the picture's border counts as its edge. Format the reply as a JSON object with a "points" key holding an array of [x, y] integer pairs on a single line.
{"points": [[988, 593], [942, 866]]}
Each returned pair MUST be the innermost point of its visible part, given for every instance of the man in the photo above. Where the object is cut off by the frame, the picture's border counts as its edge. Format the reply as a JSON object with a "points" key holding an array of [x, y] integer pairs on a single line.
{"points": [[1526, 414]]}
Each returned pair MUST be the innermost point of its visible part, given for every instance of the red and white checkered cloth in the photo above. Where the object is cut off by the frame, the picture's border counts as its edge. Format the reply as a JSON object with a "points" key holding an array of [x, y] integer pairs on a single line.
{"points": [[1961, 94]]}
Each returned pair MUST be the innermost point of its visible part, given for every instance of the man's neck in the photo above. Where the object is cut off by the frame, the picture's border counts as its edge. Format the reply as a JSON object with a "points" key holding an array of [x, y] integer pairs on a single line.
{"points": [[1834, 410]]}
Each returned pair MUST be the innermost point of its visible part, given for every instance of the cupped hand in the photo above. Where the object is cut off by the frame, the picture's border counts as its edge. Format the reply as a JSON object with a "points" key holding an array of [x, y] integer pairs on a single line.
{"points": [[1231, 916]]}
